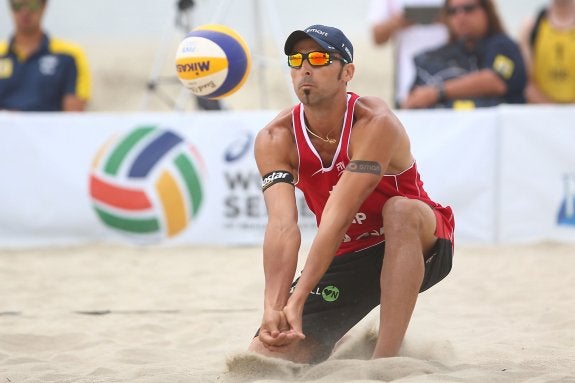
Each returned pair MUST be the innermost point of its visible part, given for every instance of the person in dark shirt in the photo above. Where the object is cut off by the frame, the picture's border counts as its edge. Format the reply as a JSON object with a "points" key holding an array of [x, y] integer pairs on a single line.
{"points": [[37, 72], [479, 66]]}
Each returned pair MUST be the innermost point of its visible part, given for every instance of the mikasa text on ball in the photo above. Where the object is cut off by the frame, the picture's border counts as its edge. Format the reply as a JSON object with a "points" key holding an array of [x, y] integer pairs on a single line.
{"points": [[213, 61]]}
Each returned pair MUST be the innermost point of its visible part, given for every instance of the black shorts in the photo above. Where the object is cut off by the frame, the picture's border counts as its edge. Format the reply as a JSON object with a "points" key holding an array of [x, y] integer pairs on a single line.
{"points": [[350, 289]]}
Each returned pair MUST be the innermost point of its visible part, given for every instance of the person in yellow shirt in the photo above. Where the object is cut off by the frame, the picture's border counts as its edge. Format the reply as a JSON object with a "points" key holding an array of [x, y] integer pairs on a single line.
{"points": [[37, 72], [548, 46]]}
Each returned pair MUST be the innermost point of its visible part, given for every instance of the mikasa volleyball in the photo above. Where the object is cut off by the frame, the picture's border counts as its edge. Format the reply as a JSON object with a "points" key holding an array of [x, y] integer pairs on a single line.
{"points": [[213, 61]]}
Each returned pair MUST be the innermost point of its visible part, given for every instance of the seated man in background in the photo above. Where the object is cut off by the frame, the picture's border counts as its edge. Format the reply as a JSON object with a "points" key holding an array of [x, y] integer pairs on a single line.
{"points": [[548, 46], [479, 66], [39, 73]]}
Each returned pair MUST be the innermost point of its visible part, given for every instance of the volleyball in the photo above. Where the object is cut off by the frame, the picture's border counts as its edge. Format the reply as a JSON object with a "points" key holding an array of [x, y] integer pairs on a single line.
{"points": [[147, 184], [213, 61]]}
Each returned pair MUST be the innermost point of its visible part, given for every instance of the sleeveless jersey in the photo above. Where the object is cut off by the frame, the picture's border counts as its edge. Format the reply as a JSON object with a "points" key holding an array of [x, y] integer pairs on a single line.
{"points": [[316, 180], [554, 61]]}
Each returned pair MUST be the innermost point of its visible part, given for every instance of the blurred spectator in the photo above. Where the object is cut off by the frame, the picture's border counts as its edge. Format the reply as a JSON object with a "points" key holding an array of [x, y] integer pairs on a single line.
{"points": [[37, 72], [548, 46], [479, 66], [410, 25]]}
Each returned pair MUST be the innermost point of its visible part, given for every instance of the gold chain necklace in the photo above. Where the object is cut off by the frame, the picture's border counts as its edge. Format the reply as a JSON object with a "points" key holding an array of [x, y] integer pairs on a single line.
{"points": [[326, 139]]}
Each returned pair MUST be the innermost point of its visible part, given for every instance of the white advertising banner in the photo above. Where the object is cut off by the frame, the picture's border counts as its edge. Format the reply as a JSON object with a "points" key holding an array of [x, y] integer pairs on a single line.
{"points": [[190, 178], [126, 177], [456, 156], [537, 194]]}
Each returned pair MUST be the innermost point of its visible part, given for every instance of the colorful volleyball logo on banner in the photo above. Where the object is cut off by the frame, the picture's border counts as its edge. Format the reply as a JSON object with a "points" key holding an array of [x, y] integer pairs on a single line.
{"points": [[213, 61], [147, 183]]}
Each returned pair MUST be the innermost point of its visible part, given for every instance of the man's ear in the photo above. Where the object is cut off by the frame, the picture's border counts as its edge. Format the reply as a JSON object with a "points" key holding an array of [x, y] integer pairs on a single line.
{"points": [[348, 71]]}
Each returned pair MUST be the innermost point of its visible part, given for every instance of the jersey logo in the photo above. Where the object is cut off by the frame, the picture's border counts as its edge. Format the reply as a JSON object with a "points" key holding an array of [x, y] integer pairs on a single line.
{"points": [[6, 68], [504, 66], [340, 166], [48, 65], [359, 218]]}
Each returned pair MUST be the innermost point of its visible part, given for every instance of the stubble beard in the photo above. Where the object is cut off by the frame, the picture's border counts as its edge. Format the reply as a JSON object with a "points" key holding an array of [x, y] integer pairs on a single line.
{"points": [[306, 96]]}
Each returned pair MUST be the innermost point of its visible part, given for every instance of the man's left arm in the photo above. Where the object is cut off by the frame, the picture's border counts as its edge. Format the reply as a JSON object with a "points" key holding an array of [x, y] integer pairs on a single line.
{"points": [[344, 202], [78, 83], [503, 57], [72, 103], [481, 83]]}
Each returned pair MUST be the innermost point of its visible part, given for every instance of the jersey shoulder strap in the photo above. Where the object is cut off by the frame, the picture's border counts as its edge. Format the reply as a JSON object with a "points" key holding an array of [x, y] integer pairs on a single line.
{"points": [[535, 30]]}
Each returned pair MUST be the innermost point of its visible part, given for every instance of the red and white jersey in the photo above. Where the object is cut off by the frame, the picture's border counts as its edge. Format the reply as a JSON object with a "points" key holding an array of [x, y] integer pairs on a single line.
{"points": [[316, 180]]}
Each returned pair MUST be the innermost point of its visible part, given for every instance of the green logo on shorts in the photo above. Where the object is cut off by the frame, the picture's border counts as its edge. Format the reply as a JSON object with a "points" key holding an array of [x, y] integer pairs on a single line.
{"points": [[330, 294]]}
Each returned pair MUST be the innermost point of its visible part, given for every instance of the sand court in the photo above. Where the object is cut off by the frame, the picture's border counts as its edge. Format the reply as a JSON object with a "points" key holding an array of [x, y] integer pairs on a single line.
{"points": [[186, 314]]}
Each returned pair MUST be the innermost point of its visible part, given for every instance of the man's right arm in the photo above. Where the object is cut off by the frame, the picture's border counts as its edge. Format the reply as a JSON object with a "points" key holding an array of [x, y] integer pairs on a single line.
{"points": [[384, 31], [281, 244], [273, 152]]}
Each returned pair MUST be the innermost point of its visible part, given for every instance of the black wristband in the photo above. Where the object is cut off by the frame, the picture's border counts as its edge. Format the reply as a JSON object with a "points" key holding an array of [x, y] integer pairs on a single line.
{"points": [[441, 96]]}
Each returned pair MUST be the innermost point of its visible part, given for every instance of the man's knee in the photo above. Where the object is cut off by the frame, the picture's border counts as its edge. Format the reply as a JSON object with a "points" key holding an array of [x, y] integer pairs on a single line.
{"points": [[405, 218], [402, 211]]}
